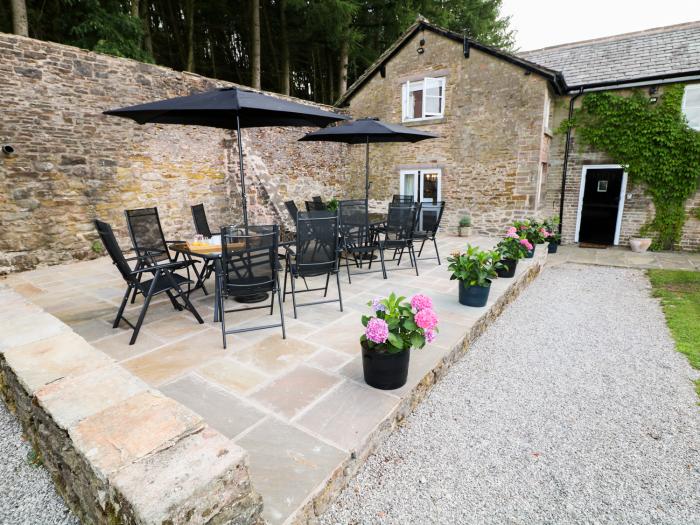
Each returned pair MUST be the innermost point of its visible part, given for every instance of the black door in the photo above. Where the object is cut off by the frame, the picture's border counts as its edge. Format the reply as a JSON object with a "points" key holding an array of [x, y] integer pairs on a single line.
{"points": [[601, 200]]}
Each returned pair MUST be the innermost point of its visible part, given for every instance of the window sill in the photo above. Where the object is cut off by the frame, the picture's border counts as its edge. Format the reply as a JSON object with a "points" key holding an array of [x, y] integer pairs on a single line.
{"points": [[423, 122]]}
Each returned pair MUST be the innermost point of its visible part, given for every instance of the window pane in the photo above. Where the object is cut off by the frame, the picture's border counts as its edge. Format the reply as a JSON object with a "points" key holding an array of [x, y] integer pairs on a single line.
{"points": [[693, 116], [430, 186], [408, 184], [433, 96], [415, 104], [692, 96]]}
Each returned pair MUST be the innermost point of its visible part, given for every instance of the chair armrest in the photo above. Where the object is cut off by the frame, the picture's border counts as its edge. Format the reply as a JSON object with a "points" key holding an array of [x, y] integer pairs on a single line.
{"points": [[156, 267]]}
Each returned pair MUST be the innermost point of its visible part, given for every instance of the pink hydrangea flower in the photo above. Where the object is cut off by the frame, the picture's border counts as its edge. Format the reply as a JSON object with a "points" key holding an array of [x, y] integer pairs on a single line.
{"points": [[426, 319], [421, 302], [544, 233], [377, 330], [511, 231], [430, 335], [526, 243]]}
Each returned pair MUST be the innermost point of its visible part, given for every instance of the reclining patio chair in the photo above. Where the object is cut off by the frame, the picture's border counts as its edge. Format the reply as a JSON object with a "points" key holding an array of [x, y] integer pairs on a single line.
{"points": [[398, 234], [150, 245], [315, 254], [402, 199], [427, 227], [357, 238], [163, 280], [315, 205], [201, 226], [250, 268]]}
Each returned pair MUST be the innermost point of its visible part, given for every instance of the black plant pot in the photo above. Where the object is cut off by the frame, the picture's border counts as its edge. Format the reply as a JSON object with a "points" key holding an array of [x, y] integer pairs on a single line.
{"points": [[552, 247], [531, 253], [384, 370], [473, 295], [509, 268]]}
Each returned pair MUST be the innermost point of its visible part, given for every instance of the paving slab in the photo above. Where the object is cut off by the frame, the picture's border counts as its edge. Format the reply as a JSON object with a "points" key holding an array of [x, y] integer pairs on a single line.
{"points": [[127, 431], [226, 413], [286, 464], [42, 362], [232, 375], [274, 354]]}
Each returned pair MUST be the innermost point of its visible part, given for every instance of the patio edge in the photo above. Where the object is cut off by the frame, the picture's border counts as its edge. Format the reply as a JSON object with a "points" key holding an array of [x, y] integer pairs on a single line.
{"points": [[120, 460], [322, 498]]}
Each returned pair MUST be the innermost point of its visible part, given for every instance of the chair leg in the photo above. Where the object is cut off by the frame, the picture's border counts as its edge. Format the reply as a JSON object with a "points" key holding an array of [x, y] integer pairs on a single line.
{"points": [[340, 296], [272, 304], [185, 297], [284, 288], [176, 305], [325, 290], [421, 247], [222, 314], [400, 256], [121, 307], [279, 300], [347, 267], [437, 252], [415, 259], [144, 308], [381, 258], [294, 297]]}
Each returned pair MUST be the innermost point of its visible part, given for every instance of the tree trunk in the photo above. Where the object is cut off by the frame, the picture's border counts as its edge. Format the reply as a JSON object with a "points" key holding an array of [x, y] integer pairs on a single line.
{"points": [[343, 68], [146, 19], [284, 81], [189, 20], [20, 25], [255, 45], [135, 11]]}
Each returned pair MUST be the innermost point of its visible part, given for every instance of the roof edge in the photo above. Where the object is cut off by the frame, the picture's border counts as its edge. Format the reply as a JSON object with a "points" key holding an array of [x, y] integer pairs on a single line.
{"points": [[421, 23]]}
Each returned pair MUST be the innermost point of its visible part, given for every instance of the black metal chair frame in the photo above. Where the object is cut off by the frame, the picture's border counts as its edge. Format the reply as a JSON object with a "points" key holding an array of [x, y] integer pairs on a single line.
{"points": [[313, 222], [357, 238], [246, 257], [402, 199], [430, 235], [404, 233], [201, 226], [163, 281], [315, 205], [153, 255]]}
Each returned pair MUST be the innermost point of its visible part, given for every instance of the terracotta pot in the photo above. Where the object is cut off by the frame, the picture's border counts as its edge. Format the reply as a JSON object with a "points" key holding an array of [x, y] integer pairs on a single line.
{"points": [[640, 244]]}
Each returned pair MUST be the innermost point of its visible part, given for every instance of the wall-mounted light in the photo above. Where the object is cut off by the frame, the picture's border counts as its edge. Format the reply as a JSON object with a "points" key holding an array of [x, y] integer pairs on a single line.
{"points": [[653, 90], [421, 49]]}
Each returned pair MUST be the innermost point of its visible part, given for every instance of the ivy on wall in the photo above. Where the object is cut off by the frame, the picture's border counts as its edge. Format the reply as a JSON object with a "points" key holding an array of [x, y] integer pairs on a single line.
{"points": [[656, 146]]}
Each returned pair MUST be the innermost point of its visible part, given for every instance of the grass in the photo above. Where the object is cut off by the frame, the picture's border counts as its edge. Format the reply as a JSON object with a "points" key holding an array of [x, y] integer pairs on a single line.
{"points": [[679, 292]]}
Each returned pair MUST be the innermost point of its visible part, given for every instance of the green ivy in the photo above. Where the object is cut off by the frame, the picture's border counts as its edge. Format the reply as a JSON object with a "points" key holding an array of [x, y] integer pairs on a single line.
{"points": [[655, 145]]}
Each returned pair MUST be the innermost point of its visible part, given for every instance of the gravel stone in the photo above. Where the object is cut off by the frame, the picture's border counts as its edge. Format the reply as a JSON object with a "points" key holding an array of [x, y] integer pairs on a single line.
{"points": [[573, 407], [27, 493]]}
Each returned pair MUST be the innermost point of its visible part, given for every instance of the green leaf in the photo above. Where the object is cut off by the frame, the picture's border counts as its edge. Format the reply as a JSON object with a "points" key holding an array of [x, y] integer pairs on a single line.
{"points": [[395, 340], [410, 325], [417, 340]]}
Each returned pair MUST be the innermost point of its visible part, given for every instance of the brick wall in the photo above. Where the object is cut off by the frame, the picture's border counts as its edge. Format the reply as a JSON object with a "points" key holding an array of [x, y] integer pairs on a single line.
{"points": [[491, 135], [638, 208], [73, 164]]}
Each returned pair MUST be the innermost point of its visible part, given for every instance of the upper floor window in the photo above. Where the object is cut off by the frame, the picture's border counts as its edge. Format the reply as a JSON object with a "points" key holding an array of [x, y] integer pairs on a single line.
{"points": [[423, 99], [691, 105]]}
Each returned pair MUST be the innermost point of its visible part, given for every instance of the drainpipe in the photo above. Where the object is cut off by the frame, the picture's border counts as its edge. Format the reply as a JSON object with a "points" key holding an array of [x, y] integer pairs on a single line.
{"points": [[567, 147]]}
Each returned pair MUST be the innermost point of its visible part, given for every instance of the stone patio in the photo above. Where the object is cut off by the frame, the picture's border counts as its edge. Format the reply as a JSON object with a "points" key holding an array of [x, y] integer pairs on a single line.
{"points": [[299, 407], [623, 257]]}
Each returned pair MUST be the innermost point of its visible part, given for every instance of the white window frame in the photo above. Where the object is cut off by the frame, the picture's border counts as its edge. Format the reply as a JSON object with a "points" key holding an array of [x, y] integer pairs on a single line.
{"points": [[439, 82], [690, 87], [620, 208], [547, 104], [417, 173]]}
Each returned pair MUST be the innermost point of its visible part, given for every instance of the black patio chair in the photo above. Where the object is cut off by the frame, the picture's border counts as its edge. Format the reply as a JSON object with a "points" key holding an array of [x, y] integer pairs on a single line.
{"points": [[357, 238], [317, 198], [201, 225], [163, 280], [292, 209], [399, 229], [150, 245], [250, 268], [427, 227], [315, 254], [402, 199], [315, 205]]}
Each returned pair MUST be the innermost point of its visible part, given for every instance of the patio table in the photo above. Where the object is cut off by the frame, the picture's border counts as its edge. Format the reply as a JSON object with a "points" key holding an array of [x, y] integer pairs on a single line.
{"points": [[212, 252]]}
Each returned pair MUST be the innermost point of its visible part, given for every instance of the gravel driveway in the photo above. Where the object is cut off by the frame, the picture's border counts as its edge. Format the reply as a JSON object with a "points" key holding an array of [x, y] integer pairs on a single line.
{"points": [[27, 494], [573, 407]]}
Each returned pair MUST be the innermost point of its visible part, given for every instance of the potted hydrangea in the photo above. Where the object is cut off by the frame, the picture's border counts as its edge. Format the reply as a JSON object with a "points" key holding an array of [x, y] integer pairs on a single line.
{"points": [[395, 327], [553, 237], [511, 249], [532, 233], [474, 269]]}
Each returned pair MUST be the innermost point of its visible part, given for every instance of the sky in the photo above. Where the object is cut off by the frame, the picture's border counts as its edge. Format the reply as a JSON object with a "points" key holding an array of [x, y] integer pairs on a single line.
{"points": [[542, 23]]}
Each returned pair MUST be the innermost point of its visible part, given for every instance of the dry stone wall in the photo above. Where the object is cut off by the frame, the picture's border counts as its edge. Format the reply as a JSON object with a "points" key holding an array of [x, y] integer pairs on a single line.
{"points": [[72, 164]]}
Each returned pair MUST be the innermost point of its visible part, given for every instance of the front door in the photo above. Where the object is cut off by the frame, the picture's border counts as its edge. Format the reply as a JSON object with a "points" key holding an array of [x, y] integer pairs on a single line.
{"points": [[600, 204]]}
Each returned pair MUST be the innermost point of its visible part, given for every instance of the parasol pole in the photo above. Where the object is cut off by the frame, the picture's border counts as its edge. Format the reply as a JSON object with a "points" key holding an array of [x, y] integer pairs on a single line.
{"points": [[367, 171], [240, 164]]}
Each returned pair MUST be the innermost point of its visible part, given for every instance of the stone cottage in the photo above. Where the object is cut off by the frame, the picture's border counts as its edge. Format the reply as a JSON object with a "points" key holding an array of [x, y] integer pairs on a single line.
{"points": [[498, 157]]}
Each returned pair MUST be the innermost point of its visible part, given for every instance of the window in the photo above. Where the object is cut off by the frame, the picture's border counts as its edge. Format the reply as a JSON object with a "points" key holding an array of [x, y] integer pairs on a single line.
{"points": [[691, 105], [423, 99]]}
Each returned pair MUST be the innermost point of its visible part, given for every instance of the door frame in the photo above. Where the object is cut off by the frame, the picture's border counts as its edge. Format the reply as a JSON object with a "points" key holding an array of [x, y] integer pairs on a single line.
{"points": [[620, 208], [416, 185]]}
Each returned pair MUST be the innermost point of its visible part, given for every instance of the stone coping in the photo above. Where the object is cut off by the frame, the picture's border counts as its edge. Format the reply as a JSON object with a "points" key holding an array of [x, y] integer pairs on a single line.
{"points": [[117, 450], [127, 430]]}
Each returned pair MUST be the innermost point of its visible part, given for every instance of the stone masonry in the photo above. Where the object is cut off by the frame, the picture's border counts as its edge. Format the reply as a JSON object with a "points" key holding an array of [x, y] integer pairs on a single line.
{"points": [[492, 136], [72, 164]]}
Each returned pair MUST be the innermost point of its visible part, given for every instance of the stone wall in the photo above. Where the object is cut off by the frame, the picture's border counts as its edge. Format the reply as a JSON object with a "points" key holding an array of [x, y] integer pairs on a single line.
{"points": [[492, 137], [638, 207], [72, 164]]}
